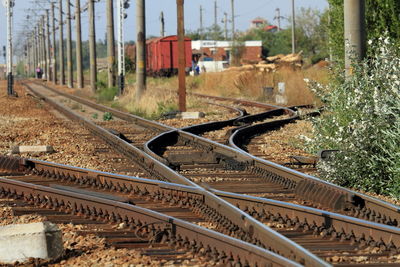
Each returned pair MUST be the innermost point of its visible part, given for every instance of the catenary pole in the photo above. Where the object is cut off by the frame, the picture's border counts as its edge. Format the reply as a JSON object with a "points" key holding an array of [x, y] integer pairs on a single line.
{"points": [[79, 70], [162, 24], [354, 32], [120, 47], [48, 48], [61, 42], [233, 19], [53, 40], [10, 78], [201, 23], [181, 59], [110, 43], [226, 26], [278, 18], [37, 54], [140, 48], [92, 47], [215, 13], [44, 50], [293, 28], [70, 77]]}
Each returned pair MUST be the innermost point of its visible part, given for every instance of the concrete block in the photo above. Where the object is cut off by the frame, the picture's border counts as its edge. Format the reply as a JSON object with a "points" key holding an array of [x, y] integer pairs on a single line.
{"points": [[18, 242], [192, 115], [32, 149]]}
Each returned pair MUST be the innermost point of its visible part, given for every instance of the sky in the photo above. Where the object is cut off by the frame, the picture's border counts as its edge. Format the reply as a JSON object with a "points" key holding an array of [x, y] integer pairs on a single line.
{"points": [[245, 11]]}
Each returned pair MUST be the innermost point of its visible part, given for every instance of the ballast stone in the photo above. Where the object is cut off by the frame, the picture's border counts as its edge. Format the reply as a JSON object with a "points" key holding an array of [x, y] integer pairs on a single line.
{"points": [[19, 242]]}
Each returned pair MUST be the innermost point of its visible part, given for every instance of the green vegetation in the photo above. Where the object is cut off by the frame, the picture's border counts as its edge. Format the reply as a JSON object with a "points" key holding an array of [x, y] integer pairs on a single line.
{"points": [[95, 116], [107, 116], [311, 36], [362, 121], [106, 94], [381, 16]]}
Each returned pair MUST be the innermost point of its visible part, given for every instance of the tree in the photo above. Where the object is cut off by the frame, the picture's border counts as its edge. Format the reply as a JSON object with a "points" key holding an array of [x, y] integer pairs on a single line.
{"points": [[381, 16], [214, 33], [311, 36]]}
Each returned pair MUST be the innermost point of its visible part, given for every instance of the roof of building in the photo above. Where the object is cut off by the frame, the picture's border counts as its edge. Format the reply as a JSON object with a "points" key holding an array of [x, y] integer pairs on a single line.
{"points": [[214, 44]]}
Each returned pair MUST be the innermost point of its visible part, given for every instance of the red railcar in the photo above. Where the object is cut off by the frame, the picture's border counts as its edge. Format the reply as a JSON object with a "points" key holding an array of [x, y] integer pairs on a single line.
{"points": [[162, 55]]}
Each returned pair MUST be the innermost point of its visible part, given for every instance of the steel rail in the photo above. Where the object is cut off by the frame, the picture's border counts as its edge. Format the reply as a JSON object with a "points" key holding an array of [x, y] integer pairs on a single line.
{"points": [[231, 159], [322, 222], [253, 230], [313, 189], [224, 249], [306, 187]]}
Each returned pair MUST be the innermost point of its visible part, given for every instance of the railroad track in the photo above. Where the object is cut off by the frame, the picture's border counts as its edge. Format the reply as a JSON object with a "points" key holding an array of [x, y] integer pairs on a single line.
{"points": [[332, 237], [242, 222], [228, 158], [207, 162], [125, 225]]}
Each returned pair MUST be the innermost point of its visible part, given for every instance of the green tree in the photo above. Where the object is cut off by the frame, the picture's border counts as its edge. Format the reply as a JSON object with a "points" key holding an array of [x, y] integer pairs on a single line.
{"points": [[311, 36], [381, 16], [213, 32]]}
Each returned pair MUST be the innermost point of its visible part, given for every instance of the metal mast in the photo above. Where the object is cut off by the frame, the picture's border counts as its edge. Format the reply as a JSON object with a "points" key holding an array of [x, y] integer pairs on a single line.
{"points": [[92, 47], [53, 39], [293, 28], [10, 81], [120, 46]]}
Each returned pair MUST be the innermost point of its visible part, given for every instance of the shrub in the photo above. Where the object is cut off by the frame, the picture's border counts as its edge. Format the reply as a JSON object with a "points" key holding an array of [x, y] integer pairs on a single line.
{"points": [[362, 121], [107, 116], [106, 94]]}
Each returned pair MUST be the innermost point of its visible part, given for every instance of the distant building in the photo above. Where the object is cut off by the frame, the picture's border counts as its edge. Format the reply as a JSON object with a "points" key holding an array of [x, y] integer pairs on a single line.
{"points": [[215, 55], [258, 23]]}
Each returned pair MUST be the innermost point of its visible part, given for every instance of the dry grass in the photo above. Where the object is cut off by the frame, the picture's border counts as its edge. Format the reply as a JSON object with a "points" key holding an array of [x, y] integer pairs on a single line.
{"points": [[152, 103], [249, 84], [160, 95]]}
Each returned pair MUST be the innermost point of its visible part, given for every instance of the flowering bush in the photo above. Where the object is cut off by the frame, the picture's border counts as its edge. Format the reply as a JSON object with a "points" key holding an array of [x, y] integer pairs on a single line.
{"points": [[362, 121]]}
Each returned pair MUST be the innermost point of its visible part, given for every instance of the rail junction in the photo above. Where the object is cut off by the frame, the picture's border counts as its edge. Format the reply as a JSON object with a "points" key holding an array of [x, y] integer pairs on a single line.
{"points": [[202, 195]]}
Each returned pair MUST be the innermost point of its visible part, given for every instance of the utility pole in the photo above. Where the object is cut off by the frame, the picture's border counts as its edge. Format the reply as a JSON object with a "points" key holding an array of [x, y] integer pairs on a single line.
{"points": [[61, 42], [233, 19], [201, 23], [215, 13], [53, 55], [70, 78], [48, 47], [140, 49], [226, 26], [110, 43], [278, 17], [40, 42], [162, 22], [44, 50], [10, 80], [294, 28], [79, 71], [122, 4], [37, 57], [181, 56], [92, 47], [354, 32]]}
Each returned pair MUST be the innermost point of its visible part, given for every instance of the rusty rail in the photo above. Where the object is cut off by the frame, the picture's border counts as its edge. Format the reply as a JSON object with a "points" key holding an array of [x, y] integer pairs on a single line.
{"points": [[222, 248], [332, 225], [249, 229]]}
